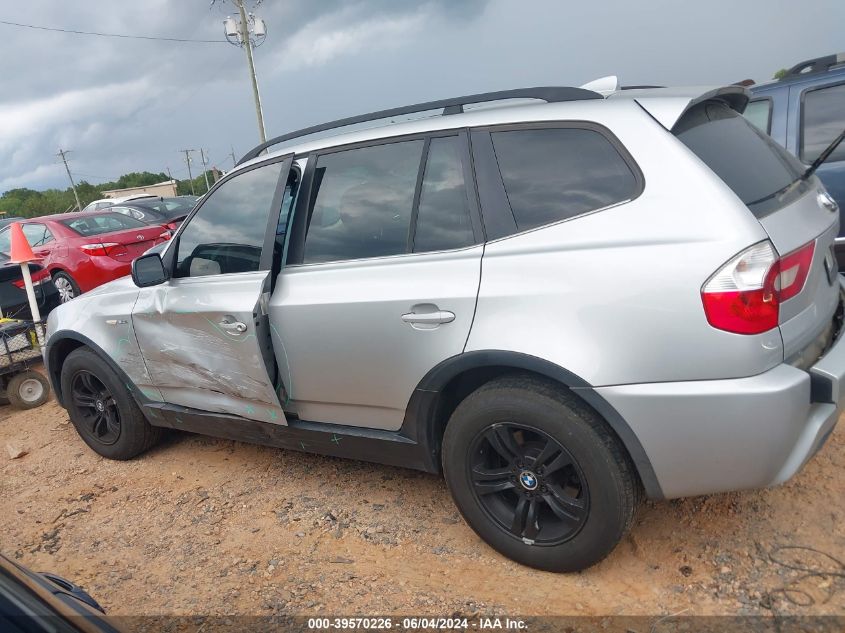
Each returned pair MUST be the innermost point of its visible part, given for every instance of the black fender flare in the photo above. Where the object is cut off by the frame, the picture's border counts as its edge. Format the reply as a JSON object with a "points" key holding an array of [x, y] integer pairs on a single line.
{"points": [[420, 416], [54, 372]]}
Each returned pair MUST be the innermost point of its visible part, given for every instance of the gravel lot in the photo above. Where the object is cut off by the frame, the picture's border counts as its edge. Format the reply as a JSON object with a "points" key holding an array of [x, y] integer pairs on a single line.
{"points": [[206, 526]]}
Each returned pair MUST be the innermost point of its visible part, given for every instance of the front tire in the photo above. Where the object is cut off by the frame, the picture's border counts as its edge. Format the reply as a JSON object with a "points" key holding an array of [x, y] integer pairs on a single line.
{"points": [[101, 408], [538, 474], [67, 287]]}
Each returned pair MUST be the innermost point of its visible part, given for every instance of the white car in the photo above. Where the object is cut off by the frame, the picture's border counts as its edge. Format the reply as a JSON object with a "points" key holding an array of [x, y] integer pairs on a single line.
{"points": [[102, 203]]}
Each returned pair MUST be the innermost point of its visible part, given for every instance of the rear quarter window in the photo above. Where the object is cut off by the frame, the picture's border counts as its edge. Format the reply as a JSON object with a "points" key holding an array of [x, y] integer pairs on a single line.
{"points": [[759, 112], [96, 224], [556, 173]]}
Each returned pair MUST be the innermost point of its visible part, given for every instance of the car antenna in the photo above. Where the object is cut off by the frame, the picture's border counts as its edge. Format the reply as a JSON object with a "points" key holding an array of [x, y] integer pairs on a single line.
{"points": [[823, 156]]}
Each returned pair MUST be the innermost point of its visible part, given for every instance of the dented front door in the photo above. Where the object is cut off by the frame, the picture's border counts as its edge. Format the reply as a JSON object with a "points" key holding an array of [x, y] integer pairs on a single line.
{"points": [[204, 334]]}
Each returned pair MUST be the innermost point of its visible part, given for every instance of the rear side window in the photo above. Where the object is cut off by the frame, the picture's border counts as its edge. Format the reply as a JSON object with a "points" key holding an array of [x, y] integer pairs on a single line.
{"points": [[363, 199], [824, 118], [759, 113], [753, 165], [37, 234], [443, 220], [555, 174], [88, 225]]}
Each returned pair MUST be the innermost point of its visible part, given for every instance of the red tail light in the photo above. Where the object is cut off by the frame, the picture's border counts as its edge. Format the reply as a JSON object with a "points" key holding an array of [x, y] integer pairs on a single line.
{"points": [[744, 296], [37, 278], [173, 225], [111, 249], [794, 269], [166, 235]]}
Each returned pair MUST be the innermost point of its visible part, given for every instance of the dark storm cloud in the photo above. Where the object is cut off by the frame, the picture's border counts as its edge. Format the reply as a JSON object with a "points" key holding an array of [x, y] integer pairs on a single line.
{"points": [[128, 105]]}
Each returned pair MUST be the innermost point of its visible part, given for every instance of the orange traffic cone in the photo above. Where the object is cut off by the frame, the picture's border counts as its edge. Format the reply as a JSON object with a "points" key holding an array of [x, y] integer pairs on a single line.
{"points": [[21, 251]]}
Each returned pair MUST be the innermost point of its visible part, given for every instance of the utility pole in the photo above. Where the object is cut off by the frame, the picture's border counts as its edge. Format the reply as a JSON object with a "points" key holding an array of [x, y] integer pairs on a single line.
{"points": [[248, 33], [204, 170], [234, 160], [72, 184], [188, 160]]}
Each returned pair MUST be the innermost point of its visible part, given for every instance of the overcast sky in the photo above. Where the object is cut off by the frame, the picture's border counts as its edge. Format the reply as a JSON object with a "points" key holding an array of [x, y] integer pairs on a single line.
{"points": [[126, 105]]}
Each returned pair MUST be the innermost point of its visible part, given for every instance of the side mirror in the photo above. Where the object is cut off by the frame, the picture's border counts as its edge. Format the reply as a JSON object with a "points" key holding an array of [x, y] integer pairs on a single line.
{"points": [[148, 270]]}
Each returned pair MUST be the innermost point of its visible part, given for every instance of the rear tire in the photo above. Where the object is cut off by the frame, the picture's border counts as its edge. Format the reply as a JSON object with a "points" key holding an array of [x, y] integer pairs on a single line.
{"points": [[67, 287], [538, 474], [27, 390], [101, 408]]}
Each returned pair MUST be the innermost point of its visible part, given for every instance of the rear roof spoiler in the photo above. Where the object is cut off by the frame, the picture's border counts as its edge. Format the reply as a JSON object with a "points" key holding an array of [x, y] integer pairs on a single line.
{"points": [[668, 105]]}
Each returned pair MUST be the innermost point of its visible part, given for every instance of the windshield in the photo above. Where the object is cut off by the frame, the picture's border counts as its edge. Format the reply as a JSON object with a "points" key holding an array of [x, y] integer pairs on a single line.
{"points": [[749, 161]]}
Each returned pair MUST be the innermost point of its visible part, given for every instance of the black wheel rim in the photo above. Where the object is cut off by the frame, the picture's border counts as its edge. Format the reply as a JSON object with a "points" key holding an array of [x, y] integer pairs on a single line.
{"points": [[96, 407], [528, 483]]}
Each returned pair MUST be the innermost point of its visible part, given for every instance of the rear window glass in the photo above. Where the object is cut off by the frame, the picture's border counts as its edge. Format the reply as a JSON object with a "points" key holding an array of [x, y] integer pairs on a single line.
{"points": [[753, 165], [95, 224], [554, 174]]}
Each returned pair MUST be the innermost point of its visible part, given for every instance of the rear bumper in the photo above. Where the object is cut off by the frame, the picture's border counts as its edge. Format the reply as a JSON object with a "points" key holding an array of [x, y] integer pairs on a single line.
{"points": [[712, 436]]}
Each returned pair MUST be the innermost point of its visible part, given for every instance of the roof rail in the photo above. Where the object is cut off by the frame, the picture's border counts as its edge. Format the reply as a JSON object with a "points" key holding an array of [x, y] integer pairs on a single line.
{"points": [[455, 105], [816, 65]]}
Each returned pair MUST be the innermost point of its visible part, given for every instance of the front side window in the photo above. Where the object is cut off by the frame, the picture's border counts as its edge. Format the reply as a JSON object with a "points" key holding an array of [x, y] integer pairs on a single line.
{"points": [[555, 174], [823, 119], [362, 202], [759, 114], [443, 220], [37, 234], [227, 233]]}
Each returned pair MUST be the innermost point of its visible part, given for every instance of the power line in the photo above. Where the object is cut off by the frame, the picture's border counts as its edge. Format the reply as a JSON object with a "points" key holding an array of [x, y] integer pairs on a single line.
{"points": [[120, 35]]}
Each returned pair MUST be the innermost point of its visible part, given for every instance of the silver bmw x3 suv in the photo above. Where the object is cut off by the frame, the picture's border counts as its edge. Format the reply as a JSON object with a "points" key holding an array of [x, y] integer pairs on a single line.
{"points": [[563, 304]]}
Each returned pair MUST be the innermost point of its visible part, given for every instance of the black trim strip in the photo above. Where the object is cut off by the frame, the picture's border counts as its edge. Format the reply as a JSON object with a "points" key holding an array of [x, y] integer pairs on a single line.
{"points": [[415, 205], [267, 250], [394, 448], [454, 105]]}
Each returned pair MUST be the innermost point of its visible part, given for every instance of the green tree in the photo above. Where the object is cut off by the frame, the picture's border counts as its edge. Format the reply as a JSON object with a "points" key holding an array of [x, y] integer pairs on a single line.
{"points": [[783, 72], [29, 203]]}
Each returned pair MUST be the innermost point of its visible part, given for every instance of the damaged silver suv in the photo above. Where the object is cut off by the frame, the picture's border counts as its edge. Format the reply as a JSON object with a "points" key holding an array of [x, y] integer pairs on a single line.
{"points": [[564, 299]]}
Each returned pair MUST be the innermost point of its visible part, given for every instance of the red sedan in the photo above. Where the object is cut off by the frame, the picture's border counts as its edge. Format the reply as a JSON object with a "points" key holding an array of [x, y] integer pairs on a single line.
{"points": [[83, 251]]}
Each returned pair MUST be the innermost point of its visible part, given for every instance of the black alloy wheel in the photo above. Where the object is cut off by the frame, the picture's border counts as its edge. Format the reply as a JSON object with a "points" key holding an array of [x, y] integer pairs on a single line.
{"points": [[528, 483], [97, 407]]}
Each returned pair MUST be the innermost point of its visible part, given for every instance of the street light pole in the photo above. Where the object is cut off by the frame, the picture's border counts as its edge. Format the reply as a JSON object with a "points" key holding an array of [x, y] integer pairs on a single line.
{"points": [[248, 32]]}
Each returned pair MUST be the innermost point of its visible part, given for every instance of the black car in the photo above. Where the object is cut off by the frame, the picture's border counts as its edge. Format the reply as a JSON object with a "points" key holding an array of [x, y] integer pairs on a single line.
{"points": [[13, 301], [32, 602], [5, 221], [168, 212]]}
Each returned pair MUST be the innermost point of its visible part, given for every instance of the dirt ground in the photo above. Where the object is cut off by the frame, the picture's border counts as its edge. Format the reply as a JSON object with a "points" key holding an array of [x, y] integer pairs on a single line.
{"points": [[206, 526]]}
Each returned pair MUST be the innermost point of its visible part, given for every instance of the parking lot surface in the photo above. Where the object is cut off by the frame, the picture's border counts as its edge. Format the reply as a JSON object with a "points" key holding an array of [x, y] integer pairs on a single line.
{"points": [[206, 526]]}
